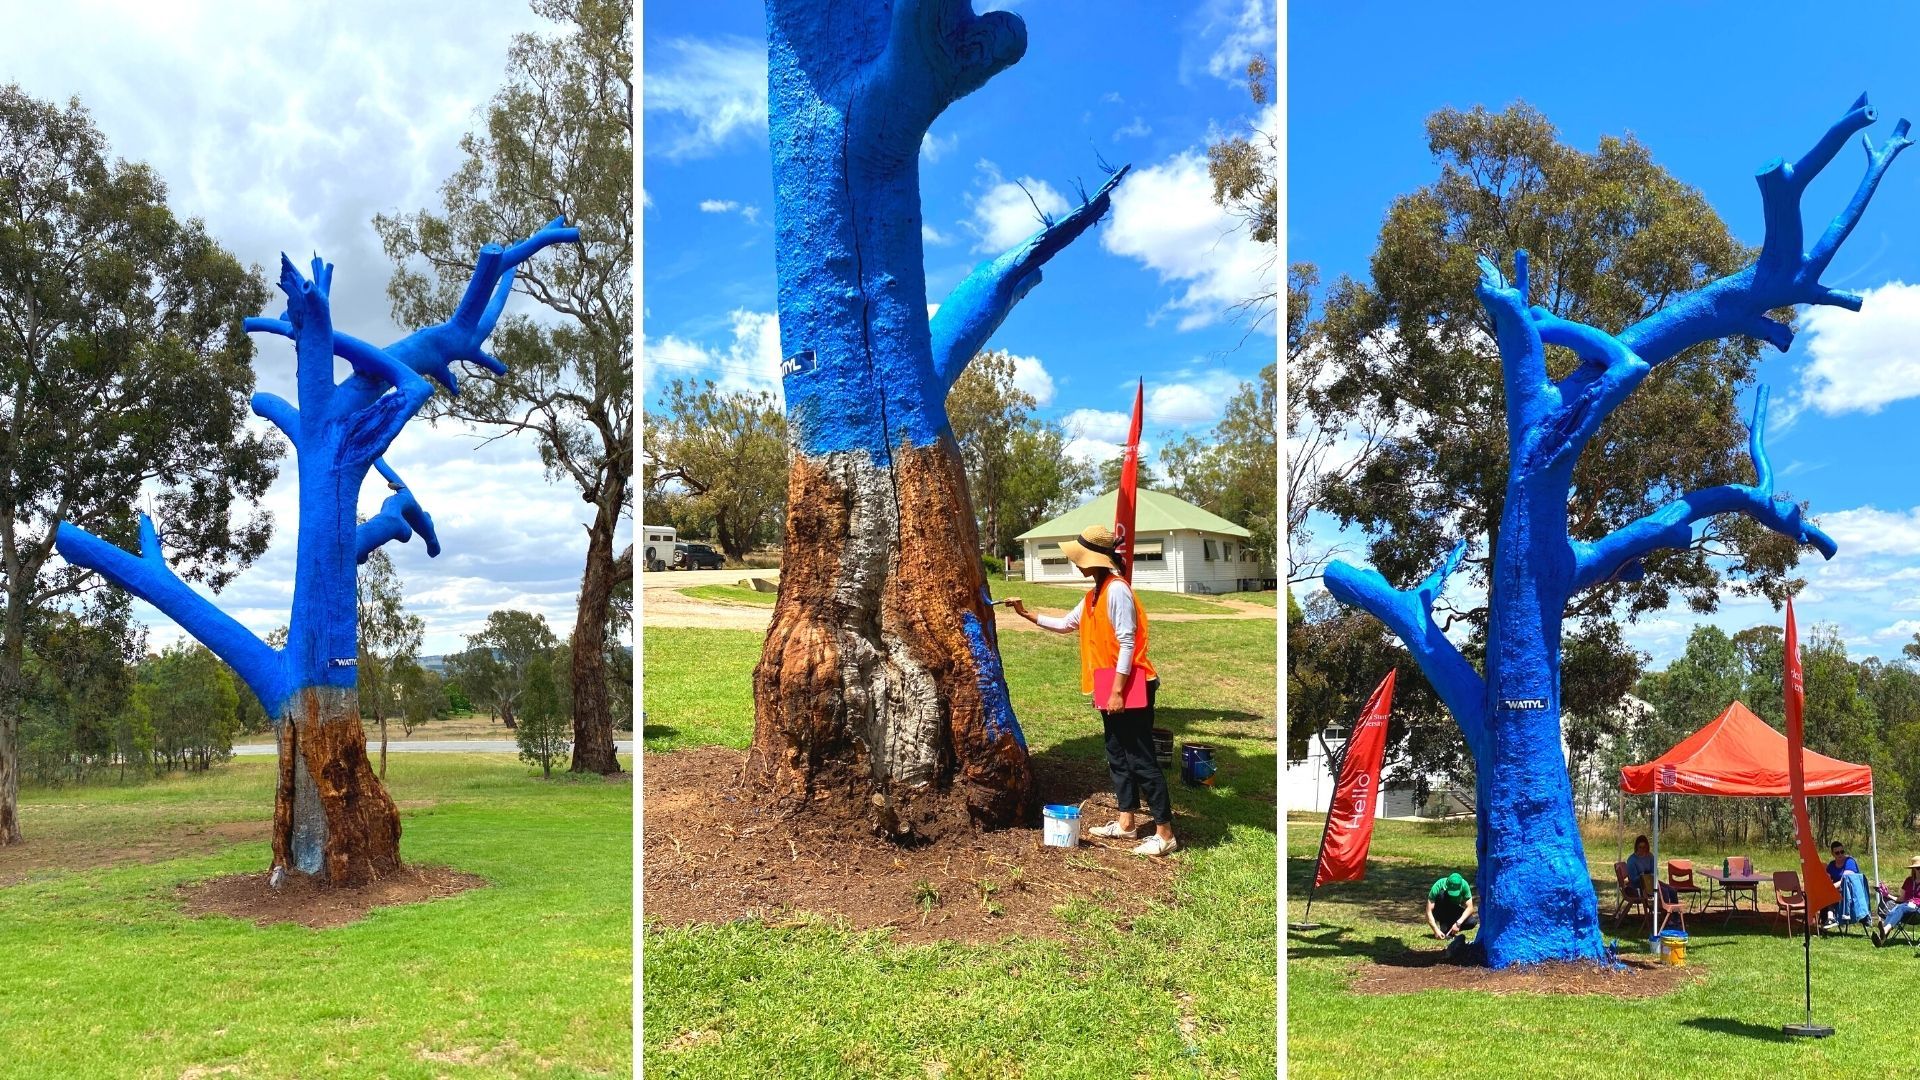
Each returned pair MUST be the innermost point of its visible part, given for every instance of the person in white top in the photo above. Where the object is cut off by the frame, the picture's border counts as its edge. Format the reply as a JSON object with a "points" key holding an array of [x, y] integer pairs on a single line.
{"points": [[1113, 634]]}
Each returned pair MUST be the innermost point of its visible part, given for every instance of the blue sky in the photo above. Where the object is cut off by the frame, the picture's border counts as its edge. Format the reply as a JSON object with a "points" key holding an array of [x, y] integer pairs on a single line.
{"points": [[1145, 294], [1715, 95]]}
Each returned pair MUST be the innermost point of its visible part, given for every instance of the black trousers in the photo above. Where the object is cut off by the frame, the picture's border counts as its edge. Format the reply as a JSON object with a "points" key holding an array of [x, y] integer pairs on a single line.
{"points": [[1130, 759]]}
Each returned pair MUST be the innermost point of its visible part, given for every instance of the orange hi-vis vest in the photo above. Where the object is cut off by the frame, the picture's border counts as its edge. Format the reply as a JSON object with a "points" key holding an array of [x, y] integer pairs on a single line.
{"points": [[1100, 648]]}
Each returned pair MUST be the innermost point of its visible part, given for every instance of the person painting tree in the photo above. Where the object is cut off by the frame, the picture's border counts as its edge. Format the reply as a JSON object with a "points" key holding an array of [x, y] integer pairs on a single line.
{"points": [[1113, 642]]}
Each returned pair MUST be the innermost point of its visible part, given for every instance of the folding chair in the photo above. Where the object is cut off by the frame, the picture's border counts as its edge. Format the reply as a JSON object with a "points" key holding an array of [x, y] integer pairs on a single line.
{"points": [[1630, 897], [1907, 930], [1789, 900], [1680, 878]]}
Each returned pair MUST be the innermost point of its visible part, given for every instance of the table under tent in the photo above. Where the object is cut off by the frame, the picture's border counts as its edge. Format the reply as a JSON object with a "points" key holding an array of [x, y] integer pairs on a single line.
{"points": [[1738, 754]]}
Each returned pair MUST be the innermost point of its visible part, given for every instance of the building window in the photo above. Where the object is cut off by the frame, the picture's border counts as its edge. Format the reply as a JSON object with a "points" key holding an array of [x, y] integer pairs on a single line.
{"points": [[1149, 551], [1206, 550], [1050, 555]]}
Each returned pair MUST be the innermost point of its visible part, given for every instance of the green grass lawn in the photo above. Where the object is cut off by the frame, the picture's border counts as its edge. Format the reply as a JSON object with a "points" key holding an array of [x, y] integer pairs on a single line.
{"points": [[1186, 991], [532, 975], [729, 594], [1754, 982]]}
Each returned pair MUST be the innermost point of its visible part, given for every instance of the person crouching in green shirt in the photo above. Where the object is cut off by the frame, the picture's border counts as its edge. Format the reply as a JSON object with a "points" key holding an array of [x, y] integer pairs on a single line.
{"points": [[1450, 905]]}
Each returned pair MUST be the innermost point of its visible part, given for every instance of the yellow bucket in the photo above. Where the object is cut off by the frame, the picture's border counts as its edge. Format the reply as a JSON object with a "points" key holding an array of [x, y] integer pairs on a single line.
{"points": [[1675, 948]]}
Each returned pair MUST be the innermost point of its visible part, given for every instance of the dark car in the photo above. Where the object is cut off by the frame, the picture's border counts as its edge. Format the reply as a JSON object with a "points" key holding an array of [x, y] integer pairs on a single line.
{"points": [[696, 557]]}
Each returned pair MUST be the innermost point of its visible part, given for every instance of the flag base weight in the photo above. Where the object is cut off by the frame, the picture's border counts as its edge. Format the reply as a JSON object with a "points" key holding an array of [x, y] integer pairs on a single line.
{"points": [[1806, 1031], [1302, 926]]}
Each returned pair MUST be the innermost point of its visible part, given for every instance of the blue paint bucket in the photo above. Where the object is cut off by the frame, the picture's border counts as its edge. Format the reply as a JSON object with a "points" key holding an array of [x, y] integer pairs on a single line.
{"points": [[1196, 765], [1060, 826]]}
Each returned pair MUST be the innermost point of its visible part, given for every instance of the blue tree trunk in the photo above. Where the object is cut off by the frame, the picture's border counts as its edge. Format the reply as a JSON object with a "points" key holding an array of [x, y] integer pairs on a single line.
{"points": [[1536, 890], [332, 817]]}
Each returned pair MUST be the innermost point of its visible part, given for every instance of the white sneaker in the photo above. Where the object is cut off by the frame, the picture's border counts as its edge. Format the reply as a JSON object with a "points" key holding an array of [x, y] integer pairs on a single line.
{"points": [[1154, 846], [1112, 831]]}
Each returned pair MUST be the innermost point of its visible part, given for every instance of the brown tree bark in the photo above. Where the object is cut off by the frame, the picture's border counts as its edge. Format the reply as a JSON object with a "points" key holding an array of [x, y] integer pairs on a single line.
{"points": [[593, 744], [332, 818], [868, 695]]}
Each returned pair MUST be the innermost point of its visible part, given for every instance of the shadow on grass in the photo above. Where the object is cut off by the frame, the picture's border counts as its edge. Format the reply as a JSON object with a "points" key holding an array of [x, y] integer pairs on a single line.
{"points": [[1721, 1025], [649, 732], [1205, 815]]}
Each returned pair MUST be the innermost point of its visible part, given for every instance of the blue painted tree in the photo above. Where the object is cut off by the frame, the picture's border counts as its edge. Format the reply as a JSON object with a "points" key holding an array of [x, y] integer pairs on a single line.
{"points": [[332, 817], [1538, 898], [880, 680]]}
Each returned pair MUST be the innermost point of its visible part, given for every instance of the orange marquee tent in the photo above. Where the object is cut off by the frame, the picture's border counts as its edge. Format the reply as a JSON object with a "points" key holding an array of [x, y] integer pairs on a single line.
{"points": [[1738, 754]]}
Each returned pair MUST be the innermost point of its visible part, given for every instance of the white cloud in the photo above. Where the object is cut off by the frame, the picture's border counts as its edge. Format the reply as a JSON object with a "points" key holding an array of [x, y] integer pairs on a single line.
{"points": [[1031, 375], [1136, 129], [1230, 33], [933, 147], [1862, 361], [1097, 425], [1111, 97], [1004, 214], [749, 213], [702, 95], [1871, 531], [1165, 217], [750, 361], [1185, 404], [934, 237]]}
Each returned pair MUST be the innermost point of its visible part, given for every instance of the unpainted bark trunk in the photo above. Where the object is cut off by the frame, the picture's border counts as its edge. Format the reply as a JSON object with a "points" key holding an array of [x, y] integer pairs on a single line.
{"points": [[878, 685], [593, 748], [332, 818], [13, 662]]}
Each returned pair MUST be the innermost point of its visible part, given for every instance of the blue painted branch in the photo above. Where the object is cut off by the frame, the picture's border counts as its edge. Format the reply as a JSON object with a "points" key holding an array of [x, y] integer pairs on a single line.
{"points": [[147, 576], [978, 305], [1672, 525], [1523, 363], [399, 518], [1409, 614], [1783, 275]]}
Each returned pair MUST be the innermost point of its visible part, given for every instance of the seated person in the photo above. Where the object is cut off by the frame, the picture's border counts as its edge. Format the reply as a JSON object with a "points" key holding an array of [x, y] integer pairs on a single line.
{"points": [[1842, 862], [1909, 903], [1450, 905], [1640, 870]]}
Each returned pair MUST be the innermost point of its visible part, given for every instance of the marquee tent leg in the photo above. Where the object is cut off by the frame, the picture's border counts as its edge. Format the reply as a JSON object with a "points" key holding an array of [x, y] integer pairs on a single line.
{"points": [[1873, 830], [1653, 917]]}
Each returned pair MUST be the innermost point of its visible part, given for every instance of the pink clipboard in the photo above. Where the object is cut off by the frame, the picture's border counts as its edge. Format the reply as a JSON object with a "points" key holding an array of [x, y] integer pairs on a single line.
{"points": [[1103, 689]]}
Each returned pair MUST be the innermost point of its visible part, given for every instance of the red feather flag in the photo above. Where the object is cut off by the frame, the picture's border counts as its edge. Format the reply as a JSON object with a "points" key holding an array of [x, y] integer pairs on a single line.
{"points": [[1813, 872], [1129, 473], [1349, 830]]}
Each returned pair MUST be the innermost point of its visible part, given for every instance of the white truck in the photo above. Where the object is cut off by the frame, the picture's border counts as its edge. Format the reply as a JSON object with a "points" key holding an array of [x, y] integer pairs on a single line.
{"points": [[658, 546]]}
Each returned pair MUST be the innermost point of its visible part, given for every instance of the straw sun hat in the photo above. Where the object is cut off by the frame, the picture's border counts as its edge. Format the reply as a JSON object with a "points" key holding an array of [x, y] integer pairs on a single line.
{"points": [[1915, 864], [1094, 548]]}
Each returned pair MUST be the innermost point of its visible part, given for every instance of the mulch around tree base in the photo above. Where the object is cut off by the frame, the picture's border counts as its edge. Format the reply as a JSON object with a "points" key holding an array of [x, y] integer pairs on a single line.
{"points": [[1637, 977], [304, 901], [712, 855]]}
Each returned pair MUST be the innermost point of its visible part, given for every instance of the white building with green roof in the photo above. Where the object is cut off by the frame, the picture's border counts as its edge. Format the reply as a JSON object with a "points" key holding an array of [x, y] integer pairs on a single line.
{"points": [[1178, 547]]}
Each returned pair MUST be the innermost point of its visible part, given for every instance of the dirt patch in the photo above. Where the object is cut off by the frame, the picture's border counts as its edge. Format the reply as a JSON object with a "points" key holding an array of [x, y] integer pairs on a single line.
{"points": [[305, 901], [70, 853], [1636, 977], [713, 856]]}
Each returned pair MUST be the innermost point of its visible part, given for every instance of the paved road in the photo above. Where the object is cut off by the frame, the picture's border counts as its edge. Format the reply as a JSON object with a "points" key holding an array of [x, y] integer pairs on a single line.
{"points": [[686, 579], [433, 746]]}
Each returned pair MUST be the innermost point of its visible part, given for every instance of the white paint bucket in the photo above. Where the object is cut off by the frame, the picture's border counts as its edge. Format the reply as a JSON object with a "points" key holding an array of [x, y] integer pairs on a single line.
{"points": [[1060, 826]]}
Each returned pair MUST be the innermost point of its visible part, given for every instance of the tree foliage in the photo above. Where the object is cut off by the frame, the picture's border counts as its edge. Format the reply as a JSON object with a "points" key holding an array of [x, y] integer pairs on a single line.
{"points": [[389, 639], [124, 373], [726, 451], [1233, 470], [501, 659], [1410, 362], [544, 728], [558, 140], [1018, 471], [1246, 180]]}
